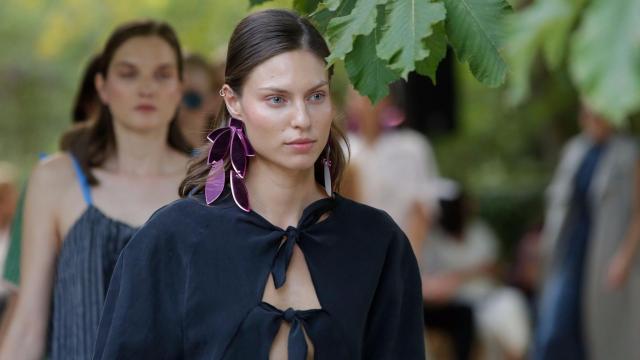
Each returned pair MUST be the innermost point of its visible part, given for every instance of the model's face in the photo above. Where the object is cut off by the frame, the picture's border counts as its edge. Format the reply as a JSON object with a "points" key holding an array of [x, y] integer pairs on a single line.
{"points": [[287, 109], [142, 88]]}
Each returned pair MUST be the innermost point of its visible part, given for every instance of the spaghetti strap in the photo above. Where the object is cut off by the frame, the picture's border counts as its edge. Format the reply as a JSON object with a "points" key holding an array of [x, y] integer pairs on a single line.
{"points": [[82, 180]]}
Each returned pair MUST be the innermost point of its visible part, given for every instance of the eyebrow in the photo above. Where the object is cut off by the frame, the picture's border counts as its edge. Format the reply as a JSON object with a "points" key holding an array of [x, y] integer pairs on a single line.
{"points": [[279, 90], [130, 64]]}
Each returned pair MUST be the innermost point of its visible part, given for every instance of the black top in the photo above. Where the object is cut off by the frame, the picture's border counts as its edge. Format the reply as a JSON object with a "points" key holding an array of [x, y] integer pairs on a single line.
{"points": [[189, 285]]}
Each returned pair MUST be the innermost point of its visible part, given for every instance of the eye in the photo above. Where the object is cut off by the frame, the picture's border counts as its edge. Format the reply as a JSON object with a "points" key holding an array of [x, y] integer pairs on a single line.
{"points": [[127, 74], [164, 75], [275, 100], [317, 97]]}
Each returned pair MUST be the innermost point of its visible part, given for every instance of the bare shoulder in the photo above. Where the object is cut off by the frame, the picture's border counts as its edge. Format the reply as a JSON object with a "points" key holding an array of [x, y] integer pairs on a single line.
{"points": [[54, 172]]}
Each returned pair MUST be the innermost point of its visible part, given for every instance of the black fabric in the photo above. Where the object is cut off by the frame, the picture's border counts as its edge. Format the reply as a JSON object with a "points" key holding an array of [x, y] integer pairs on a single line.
{"points": [[457, 321], [190, 283]]}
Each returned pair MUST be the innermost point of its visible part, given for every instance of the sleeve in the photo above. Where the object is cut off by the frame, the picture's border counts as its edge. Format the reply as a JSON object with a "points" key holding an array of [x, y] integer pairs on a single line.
{"points": [[143, 313], [11, 271], [395, 327]]}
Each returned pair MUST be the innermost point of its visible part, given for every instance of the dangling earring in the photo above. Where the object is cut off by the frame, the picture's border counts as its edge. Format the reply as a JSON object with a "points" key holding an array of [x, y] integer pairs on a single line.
{"points": [[326, 162], [229, 143]]}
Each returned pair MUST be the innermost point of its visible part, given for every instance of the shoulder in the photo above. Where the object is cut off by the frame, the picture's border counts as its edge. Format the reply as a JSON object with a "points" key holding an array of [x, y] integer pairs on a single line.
{"points": [[626, 144], [56, 168], [374, 221], [53, 172], [170, 231], [407, 143]]}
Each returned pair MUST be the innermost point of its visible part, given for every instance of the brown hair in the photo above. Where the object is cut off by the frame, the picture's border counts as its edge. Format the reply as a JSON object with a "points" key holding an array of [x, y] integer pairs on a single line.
{"points": [[90, 143], [257, 38]]}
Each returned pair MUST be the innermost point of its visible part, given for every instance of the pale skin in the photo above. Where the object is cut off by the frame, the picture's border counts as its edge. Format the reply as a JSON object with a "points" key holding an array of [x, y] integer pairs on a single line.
{"points": [[285, 99], [140, 176]]}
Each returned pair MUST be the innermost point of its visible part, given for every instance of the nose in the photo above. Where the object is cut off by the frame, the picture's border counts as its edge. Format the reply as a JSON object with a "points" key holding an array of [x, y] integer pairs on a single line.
{"points": [[146, 87], [301, 117]]}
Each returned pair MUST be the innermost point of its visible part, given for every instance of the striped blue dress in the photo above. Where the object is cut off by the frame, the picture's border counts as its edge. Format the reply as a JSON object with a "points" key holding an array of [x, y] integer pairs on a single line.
{"points": [[85, 264]]}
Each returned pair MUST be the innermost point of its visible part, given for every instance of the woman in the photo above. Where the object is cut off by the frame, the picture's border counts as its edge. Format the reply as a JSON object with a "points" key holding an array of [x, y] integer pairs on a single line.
{"points": [[588, 307], [127, 163], [200, 100], [270, 266]]}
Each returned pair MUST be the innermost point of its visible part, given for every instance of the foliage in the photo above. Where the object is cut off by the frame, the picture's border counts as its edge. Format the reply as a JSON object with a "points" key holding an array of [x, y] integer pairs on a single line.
{"points": [[597, 40], [381, 41]]}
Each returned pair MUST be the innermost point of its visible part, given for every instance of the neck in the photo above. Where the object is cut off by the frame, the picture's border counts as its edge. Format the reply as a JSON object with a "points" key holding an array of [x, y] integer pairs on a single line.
{"points": [[280, 195], [140, 153], [370, 134]]}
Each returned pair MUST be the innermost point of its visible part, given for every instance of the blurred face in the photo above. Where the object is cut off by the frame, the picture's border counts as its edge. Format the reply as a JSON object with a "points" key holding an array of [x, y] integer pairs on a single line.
{"points": [[142, 88], [200, 101], [287, 109], [595, 126]]}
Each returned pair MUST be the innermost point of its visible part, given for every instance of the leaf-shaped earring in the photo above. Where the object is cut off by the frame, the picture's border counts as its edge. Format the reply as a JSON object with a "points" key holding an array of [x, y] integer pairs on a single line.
{"points": [[228, 143]]}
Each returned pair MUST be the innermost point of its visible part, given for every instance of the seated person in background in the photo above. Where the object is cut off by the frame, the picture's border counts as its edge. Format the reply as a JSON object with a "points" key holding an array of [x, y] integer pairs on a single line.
{"points": [[458, 268]]}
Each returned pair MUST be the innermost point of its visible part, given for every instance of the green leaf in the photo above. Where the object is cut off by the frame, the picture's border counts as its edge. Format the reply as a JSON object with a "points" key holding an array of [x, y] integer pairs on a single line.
{"points": [[367, 72], [305, 6], [342, 30], [437, 45], [324, 13], [543, 25], [475, 30], [332, 4], [407, 24], [604, 60], [565, 13]]}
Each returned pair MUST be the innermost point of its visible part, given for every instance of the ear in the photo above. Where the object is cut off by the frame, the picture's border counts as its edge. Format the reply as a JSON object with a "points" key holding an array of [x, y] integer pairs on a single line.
{"points": [[100, 88], [232, 102]]}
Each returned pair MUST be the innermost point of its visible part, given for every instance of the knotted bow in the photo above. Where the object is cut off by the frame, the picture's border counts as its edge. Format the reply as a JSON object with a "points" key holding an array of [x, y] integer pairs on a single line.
{"points": [[283, 257], [297, 344]]}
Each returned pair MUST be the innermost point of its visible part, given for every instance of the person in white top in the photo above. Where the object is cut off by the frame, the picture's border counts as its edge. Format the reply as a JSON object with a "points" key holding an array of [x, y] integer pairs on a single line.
{"points": [[392, 168]]}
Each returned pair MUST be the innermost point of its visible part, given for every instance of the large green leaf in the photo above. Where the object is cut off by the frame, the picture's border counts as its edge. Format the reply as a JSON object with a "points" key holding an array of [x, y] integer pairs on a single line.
{"points": [[605, 58], [328, 10], [367, 72], [342, 30], [475, 29], [437, 45], [545, 25], [407, 24]]}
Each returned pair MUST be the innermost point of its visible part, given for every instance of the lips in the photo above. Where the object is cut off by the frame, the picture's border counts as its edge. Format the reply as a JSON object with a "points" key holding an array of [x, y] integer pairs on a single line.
{"points": [[145, 108], [302, 145], [301, 141]]}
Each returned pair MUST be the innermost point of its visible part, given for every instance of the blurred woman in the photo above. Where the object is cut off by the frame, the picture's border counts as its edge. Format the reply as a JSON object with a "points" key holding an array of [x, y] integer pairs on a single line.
{"points": [[200, 100], [588, 308], [83, 205]]}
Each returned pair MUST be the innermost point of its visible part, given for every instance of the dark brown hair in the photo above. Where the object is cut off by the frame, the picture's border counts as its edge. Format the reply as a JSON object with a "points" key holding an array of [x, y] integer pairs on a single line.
{"points": [[257, 38], [91, 143], [87, 99]]}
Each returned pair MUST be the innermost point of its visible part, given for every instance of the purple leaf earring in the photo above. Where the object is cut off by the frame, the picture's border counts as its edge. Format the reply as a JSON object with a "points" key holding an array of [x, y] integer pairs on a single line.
{"points": [[229, 143]]}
